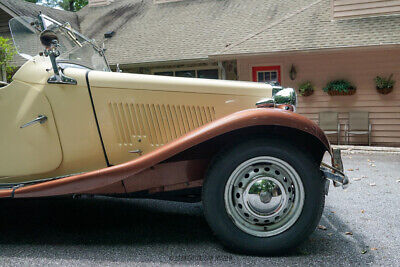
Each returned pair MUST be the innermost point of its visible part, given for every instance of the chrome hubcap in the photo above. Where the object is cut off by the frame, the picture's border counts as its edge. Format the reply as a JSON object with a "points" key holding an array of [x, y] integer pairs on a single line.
{"points": [[264, 196]]}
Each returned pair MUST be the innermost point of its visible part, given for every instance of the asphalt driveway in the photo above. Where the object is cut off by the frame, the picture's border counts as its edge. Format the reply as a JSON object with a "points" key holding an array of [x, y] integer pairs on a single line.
{"points": [[360, 226]]}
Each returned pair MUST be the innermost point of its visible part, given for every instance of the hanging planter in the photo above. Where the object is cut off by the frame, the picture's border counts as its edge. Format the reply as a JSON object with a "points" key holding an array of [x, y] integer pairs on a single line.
{"points": [[340, 87], [306, 89], [350, 91], [384, 86], [384, 91]]}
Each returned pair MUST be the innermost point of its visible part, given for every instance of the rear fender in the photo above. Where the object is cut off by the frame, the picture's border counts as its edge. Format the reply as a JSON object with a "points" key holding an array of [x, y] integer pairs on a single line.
{"points": [[90, 181]]}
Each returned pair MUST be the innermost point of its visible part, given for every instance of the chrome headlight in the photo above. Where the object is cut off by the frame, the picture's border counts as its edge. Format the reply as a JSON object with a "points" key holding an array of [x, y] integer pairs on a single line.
{"points": [[286, 96]]}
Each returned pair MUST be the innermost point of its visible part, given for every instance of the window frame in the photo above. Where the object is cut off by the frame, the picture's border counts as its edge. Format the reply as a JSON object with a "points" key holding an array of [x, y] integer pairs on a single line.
{"points": [[257, 69]]}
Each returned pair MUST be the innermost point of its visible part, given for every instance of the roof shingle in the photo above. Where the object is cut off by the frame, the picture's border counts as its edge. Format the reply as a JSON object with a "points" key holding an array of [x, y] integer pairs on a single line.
{"points": [[188, 29], [314, 29], [196, 29], [24, 8]]}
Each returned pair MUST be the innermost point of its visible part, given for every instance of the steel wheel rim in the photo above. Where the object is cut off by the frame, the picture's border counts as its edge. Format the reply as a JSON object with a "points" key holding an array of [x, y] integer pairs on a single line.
{"points": [[264, 196]]}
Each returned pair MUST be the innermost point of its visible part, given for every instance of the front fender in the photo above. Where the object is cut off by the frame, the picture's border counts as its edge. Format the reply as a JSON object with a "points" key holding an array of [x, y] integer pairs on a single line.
{"points": [[101, 178]]}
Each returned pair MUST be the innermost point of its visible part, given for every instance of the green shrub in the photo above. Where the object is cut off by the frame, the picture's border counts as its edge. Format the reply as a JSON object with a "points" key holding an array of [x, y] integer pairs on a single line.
{"points": [[339, 86]]}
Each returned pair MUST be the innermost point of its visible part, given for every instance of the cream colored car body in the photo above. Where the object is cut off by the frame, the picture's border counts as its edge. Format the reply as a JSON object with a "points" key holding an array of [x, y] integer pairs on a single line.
{"points": [[131, 113]]}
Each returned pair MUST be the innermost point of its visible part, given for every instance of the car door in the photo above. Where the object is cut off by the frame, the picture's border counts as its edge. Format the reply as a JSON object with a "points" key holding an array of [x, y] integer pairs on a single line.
{"points": [[28, 146]]}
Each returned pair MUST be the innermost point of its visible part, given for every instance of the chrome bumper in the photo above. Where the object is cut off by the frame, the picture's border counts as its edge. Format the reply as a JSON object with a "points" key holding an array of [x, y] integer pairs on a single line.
{"points": [[335, 173]]}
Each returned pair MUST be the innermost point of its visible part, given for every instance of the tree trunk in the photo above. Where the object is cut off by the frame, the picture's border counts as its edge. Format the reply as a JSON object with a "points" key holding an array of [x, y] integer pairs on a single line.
{"points": [[71, 5], [3, 73]]}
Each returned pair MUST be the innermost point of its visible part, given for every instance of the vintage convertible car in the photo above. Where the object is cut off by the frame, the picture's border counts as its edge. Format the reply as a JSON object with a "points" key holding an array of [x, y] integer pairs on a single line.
{"points": [[70, 126]]}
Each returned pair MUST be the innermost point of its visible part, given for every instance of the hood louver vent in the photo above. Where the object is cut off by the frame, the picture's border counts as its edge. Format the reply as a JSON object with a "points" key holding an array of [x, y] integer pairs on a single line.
{"points": [[160, 124]]}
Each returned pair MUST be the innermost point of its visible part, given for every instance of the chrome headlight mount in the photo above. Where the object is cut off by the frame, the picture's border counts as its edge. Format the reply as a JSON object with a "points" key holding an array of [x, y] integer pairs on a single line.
{"points": [[285, 96], [280, 96]]}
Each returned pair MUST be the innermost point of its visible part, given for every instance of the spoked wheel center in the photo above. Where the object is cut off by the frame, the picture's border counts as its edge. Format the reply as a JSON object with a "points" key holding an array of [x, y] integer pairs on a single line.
{"points": [[264, 196]]}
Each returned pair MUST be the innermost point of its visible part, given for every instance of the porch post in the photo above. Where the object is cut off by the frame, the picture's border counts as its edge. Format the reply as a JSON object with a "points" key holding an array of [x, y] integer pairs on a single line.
{"points": [[222, 71]]}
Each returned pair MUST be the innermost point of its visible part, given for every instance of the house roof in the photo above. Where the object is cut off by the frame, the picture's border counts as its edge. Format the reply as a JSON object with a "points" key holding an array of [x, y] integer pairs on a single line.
{"points": [[147, 32], [24, 8], [186, 29], [312, 28]]}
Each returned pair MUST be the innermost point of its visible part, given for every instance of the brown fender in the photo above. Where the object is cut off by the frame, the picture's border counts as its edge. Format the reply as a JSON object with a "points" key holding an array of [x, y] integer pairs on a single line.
{"points": [[104, 177]]}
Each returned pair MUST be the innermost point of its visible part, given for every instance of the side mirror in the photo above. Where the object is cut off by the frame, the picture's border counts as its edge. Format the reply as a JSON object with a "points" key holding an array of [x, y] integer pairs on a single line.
{"points": [[48, 38]]}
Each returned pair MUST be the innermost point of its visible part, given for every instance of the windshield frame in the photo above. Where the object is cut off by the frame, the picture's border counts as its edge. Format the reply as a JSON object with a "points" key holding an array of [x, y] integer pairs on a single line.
{"points": [[72, 46], [67, 27]]}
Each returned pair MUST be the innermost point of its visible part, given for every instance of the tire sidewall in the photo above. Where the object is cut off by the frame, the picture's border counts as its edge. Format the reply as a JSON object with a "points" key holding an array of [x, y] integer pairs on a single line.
{"points": [[214, 205]]}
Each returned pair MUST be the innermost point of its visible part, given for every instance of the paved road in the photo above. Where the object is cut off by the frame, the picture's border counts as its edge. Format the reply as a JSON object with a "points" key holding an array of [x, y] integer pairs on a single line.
{"points": [[103, 231]]}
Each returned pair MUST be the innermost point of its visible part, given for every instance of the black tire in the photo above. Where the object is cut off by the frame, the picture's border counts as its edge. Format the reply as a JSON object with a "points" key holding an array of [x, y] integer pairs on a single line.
{"points": [[227, 231]]}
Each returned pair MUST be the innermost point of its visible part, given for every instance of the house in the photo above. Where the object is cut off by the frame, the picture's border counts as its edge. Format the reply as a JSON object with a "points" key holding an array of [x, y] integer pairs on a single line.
{"points": [[258, 40]]}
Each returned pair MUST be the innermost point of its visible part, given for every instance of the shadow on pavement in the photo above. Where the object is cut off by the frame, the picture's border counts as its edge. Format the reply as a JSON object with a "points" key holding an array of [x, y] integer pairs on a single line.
{"points": [[338, 244], [104, 221], [165, 228]]}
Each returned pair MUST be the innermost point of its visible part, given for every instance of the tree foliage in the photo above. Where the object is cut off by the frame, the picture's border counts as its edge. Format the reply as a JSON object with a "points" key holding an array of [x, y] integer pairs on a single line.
{"points": [[7, 52], [73, 5], [69, 5]]}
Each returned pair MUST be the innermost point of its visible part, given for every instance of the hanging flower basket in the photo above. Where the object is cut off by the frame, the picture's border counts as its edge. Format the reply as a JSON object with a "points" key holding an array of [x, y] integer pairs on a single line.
{"points": [[307, 93], [384, 86], [340, 87], [384, 91], [306, 89]]}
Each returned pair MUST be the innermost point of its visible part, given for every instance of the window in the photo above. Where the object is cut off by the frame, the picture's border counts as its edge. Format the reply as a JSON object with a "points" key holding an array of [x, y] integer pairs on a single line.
{"points": [[165, 73], [267, 74], [200, 73], [186, 73], [207, 74]]}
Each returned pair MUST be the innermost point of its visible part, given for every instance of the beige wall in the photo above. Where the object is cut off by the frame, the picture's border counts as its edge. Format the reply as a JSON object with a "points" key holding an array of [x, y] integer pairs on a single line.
{"points": [[359, 67]]}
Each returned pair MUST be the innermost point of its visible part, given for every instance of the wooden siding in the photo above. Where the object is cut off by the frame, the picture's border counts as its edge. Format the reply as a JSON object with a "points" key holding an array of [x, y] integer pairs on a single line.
{"points": [[97, 3], [165, 1], [359, 67], [355, 8]]}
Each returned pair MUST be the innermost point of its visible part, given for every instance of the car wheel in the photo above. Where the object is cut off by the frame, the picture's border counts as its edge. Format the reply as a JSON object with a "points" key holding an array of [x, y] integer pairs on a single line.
{"points": [[263, 196]]}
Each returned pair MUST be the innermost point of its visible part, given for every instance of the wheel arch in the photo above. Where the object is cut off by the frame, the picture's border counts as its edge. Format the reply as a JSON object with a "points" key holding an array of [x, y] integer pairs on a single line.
{"points": [[296, 137]]}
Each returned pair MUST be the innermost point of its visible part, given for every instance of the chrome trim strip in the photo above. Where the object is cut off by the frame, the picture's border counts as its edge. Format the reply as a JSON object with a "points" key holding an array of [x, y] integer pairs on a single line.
{"points": [[21, 184]]}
